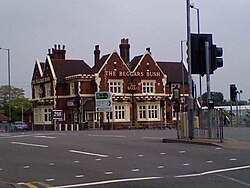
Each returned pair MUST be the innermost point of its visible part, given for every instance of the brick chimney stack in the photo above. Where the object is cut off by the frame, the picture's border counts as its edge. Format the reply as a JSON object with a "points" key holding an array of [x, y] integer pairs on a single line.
{"points": [[97, 54], [124, 50], [57, 52]]}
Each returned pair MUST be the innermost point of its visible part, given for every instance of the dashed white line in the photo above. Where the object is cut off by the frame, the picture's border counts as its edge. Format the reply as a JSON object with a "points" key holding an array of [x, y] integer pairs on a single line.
{"points": [[51, 164], [28, 144], [88, 153], [44, 136], [108, 173], [76, 161], [233, 159], [140, 155], [26, 167], [79, 176], [218, 148], [182, 151], [186, 164], [160, 167], [135, 170], [119, 157], [162, 153], [209, 161], [98, 159], [50, 179]]}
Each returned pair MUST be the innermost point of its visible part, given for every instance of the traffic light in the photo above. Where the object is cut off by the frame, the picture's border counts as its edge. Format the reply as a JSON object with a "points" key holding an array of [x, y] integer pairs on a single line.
{"points": [[216, 58], [198, 56], [233, 92]]}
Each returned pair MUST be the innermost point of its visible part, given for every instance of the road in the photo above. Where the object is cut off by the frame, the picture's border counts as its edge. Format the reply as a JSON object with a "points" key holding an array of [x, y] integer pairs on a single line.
{"points": [[130, 158]]}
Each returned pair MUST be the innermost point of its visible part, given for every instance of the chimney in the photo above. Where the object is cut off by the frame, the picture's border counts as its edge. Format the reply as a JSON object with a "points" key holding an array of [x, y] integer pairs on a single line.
{"points": [[124, 50], [97, 54], [57, 52], [148, 49]]}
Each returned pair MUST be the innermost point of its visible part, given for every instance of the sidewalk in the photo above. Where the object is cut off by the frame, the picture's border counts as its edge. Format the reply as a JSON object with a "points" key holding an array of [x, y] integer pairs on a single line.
{"points": [[227, 142]]}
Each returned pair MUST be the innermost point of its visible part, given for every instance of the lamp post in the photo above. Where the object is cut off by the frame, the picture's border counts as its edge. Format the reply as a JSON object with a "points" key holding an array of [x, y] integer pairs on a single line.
{"points": [[239, 103], [198, 25], [9, 89], [182, 71]]}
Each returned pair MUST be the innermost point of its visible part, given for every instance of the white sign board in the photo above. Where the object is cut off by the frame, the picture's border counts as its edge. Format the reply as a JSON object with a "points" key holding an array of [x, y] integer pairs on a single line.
{"points": [[103, 101]]}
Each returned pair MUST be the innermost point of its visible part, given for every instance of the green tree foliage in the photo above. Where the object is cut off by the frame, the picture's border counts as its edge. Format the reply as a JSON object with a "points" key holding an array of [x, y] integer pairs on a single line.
{"points": [[217, 96], [17, 102]]}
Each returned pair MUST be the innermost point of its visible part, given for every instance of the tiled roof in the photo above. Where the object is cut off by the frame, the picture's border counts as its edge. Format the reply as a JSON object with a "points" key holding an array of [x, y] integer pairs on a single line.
{"points": [[65, 68], [99, 64], [134, 62], [173, 70]]}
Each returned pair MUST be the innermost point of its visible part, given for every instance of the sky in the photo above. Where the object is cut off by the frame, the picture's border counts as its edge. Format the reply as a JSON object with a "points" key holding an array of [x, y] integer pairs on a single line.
{"points": [[29, 28]]}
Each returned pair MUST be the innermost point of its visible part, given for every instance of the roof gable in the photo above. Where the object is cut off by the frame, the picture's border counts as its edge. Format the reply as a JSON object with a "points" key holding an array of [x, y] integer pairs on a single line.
{"points": [[174, 71], [38, 70]]}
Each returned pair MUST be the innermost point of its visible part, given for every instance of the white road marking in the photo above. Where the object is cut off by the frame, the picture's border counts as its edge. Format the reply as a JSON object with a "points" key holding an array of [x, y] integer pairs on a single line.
{"points": [[50, 179], [42, 136], [162, 153], [108, 173], [160, 167], [186, 164], [1, 169], [182, 151], [140, 155], [79, 176], [233, 159], [213, 171], [119, 157], [209, 161], [26, 167], [135, 170], [98, 159], [87, 153], [235, 180], [104, 135], [27, 144], [108, 182], [217, 148], [51, 164]]}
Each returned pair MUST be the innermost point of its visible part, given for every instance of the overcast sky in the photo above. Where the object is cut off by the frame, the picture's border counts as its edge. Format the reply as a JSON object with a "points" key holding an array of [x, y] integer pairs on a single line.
{"points": [[29, 28]]}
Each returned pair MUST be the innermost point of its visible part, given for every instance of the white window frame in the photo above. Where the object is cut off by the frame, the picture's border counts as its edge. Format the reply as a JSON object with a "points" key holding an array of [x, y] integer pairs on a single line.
{"points": [[119, 112], [148, 86], [47, 115], [148, 112], [47, 90], [115, 86], [37, 91], [72, 88]]}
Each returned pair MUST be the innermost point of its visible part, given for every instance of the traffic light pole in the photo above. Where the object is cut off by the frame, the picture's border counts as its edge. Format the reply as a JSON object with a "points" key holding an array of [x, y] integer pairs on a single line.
{"points": [[208, 89]]}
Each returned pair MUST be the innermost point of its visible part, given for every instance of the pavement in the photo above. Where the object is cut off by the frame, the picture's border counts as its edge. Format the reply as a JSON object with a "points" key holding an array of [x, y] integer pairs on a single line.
{"points": [[227, 142]]}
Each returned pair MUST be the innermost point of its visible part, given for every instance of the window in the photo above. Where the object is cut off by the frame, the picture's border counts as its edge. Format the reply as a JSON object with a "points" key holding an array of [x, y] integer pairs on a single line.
{"points": [[149, 112], [174, 86], [37, 91], [116, 86], [37, 115], [142, 112], [72, 88], [47, 115], [152, 112], [47, 90], [119, 112], [148, 86]]}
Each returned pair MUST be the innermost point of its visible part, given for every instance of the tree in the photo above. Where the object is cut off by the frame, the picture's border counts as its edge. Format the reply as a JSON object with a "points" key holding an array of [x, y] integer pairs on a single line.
{"points": [[17, 99], [217, 96]]}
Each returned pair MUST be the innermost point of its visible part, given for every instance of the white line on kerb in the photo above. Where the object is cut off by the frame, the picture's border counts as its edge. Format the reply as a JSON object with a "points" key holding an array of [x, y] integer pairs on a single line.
{"points": [[213, 172], [107, 182], [87, 153], [27, 144]]}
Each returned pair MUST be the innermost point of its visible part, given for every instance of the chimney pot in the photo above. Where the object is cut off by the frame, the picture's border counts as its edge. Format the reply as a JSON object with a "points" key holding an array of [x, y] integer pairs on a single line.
{"points": [[59, 47], [148, 49], [55, 46], [63, 47]]}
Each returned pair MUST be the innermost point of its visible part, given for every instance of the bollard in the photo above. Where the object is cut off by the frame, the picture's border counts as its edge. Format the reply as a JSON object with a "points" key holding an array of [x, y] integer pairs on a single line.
{"points": [[77, 127], [72, 127], [66, 127], [60, 127]]}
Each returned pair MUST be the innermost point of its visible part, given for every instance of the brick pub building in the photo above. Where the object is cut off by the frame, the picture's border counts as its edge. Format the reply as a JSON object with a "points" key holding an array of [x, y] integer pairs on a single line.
{"points": [[141, 90]]}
